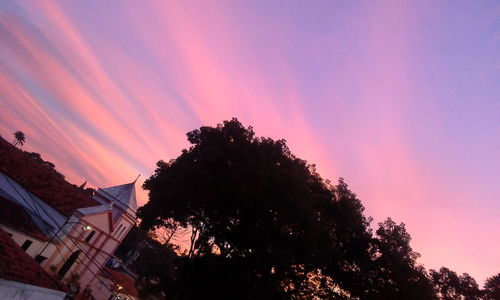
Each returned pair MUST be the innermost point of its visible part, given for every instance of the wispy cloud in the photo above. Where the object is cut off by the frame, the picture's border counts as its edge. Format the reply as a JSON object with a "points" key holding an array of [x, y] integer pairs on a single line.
{"points": [[362, 90]]}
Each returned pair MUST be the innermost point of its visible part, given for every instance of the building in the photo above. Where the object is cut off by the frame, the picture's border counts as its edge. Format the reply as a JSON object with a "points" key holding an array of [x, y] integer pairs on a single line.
{"points": [[71, 235], [124, 284], [24, 279]]}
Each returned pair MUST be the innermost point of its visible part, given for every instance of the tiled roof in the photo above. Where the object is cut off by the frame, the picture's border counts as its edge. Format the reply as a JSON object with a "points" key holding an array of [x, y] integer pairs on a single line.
{"points": [[41, 181], [124, 280], [16, 265], [14, 215]]}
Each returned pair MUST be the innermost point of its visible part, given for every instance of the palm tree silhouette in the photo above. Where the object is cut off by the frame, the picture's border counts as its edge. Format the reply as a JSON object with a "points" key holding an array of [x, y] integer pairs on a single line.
{"points": [[20, 138]]}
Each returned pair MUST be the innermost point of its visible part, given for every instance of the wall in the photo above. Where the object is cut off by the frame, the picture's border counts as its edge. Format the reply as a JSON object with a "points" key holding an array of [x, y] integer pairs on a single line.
{"points": [[19, 291], [36, 246]]}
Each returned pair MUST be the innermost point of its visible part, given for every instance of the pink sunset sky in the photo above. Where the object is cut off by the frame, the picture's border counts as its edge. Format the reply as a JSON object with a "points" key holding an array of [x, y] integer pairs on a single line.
{"points": [[400, 98]]}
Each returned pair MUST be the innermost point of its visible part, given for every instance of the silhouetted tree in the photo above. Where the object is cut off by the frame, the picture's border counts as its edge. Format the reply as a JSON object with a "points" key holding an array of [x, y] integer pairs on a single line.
{"points": [[132, 241], [153, 261], [451, 286], [155, 265], [19, 138], [47, 164], [447, 283], [313, 285], [399, 276], [249, 203], [492, 288], [265, 225], [351, 254], [469, 287]]}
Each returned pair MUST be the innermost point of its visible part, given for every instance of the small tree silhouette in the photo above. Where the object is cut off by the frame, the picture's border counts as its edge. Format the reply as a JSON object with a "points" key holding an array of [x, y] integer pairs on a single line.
{"points": [[19, 138], [492, 287]]}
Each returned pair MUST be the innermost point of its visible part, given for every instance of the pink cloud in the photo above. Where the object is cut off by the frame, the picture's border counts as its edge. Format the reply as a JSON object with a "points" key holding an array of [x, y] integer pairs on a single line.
{"points": [[107, 111]]}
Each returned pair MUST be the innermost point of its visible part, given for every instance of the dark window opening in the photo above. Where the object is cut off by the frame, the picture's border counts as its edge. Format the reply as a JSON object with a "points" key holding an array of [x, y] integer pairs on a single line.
{"points": [[89, 237], [71, 260], [124, 228], [39, 259], [26, 245], [119, 227]]}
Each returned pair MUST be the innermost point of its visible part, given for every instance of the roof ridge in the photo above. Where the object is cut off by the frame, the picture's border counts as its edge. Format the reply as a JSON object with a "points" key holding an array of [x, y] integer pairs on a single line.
{"points": [[124, 204]]}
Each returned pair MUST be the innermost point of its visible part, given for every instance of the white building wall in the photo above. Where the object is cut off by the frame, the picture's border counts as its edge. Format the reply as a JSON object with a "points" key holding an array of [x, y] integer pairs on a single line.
{"points": [[36, 245], [13, 290], [94, 254]]}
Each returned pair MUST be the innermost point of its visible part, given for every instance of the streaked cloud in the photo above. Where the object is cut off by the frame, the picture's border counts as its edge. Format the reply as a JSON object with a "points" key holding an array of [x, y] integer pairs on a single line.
{"points": [[398, 98]]}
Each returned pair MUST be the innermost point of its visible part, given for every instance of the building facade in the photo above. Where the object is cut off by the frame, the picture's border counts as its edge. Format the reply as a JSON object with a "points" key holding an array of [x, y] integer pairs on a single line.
{"points": [[67, 232]]}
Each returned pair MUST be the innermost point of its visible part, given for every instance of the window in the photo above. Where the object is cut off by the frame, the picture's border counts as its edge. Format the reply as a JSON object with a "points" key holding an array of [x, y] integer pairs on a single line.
{"points": [[26, 245], [89, 237], [117, 231], [39, 259], [124, 227], [71, 260]]}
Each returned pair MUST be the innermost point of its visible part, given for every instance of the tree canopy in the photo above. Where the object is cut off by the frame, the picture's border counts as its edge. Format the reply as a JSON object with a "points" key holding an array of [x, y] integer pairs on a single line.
{"points": [[19, 138], [449, 285], [492, 287], [265, 225]]}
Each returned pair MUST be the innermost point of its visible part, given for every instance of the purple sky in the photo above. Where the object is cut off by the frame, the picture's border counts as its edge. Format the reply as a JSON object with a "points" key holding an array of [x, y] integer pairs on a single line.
{"points": [[400, 98]]}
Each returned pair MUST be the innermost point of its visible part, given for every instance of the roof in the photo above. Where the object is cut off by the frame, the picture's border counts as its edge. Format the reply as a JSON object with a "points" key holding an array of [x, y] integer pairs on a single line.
{"points": [[124, 280], [124, 193], [14, 215], [16, 265], [41, 180]]}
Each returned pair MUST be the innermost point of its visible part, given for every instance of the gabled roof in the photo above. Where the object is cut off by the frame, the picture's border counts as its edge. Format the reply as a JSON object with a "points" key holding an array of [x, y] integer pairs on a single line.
{"points": [[16, 265], [14, 215], [41, 180], [122, 194]]}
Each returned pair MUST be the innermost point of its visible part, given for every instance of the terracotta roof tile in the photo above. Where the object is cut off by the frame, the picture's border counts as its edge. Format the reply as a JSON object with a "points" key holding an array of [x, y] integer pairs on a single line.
{"points": [[42, 181], [16, 265], [126, 281], [14, 215]]}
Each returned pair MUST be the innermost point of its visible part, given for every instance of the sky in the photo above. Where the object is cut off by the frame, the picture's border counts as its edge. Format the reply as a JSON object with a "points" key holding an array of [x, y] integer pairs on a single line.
{"points": [[400, 98]]}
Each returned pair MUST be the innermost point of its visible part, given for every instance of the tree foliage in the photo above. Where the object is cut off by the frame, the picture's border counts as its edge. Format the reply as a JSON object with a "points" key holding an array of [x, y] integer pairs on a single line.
{"points": [[450, 285], [492, 287], [398, 273], [265, 225], [153, 261], [19, 138], [47, 164], [247, 199]]}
